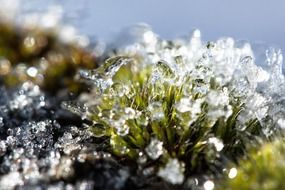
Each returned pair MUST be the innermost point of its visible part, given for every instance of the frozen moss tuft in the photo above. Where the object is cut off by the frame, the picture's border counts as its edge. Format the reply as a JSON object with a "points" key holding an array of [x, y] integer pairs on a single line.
{"points": [[180, 104]]}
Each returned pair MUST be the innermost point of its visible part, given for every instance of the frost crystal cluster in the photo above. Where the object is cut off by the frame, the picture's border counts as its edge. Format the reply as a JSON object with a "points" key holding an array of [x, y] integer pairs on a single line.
{"points": [[42, 147], [184, 106]]}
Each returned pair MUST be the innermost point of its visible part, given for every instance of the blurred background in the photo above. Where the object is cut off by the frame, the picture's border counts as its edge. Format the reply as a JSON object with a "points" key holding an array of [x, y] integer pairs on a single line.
{"points": [[252, 20]]}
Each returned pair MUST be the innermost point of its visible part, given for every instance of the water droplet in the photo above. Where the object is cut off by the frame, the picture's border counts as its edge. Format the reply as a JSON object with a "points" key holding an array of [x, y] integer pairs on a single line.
{"points": [[142, 159], [120, 125], [112, 65], [99, 80], [162, 72], [192, 183], [130, 113], [232, 173], [209, 185], [103, 76], [32, 71], [77, 108], [29, 42], [123, 130], [5, 66]]}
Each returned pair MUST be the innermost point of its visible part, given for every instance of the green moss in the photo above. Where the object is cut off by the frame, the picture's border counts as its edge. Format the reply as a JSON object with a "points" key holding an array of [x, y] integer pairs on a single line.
{"points": [[262, 169], [52, 63], [137, 113]]}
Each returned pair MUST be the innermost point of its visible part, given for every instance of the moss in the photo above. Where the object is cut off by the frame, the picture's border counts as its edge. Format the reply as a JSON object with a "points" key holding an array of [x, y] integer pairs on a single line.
{"points": [[135, 112], [163, 121], [262, 169], [52, 63]]}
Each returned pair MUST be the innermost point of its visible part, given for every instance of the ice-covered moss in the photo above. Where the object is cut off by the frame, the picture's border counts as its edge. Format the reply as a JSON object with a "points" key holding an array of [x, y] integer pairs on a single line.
{"points": [[184, 103], [173, 111]]}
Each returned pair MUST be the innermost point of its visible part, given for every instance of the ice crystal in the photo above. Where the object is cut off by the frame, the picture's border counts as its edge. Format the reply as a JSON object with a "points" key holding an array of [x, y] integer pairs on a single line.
{"points": [[68, 143], [281, 123], [38, 152], [173, 172], [189, 109], [102, 77], [123, 130], [219, 104], [11, 181], [156, 110], [155, 149], [217, 143]]}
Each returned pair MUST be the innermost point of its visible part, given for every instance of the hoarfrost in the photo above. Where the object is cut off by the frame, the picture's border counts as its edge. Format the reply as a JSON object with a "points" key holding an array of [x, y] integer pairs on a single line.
{"points": [[173, 172], [155, 149], [156, 110], [217, 143]]}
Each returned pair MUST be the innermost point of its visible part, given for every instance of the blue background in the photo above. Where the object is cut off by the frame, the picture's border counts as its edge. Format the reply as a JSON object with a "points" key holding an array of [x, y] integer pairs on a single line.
{"points": [[252, 20]]}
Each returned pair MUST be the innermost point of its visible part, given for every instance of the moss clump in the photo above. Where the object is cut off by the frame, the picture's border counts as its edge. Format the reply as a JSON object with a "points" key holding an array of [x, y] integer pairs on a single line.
{"points": [[38, 55], [172, 123], [178, 110], [262, 169]]}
